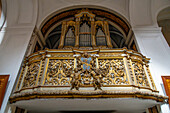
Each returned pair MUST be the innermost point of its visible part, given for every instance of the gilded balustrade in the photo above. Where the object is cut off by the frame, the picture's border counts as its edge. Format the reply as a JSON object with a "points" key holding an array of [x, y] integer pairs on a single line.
{"points": [[76, 70]]}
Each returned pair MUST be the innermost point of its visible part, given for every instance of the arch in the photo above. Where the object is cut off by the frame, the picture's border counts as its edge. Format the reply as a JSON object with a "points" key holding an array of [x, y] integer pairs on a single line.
{"points": [[121, 27], [2, 17], [162, 11], [155, 14], [57, 16], [114, 11], [163, 20], [2, 12]]}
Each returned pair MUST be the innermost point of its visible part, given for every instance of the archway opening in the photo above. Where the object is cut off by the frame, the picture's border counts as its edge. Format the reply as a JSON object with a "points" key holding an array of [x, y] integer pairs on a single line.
{"points": [[163, 19], [90, 27]]}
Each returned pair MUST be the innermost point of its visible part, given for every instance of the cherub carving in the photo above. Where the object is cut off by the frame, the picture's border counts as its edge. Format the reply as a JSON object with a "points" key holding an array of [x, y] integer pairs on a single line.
{"points": [[97, 79], [75, 79]]}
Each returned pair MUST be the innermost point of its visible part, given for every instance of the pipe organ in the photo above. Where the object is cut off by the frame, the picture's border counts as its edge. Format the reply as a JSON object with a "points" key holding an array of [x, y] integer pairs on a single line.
{"points": [[85, 31]]}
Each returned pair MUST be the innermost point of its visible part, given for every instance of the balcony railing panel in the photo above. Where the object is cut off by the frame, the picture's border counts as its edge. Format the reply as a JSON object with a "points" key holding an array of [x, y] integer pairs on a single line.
{"points": [[114, 71], [58, 72], [115, 67], [119, 70]]}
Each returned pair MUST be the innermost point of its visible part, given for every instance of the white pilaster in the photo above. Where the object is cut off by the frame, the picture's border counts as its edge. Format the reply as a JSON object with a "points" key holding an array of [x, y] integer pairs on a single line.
{"points": [[152, 44]]}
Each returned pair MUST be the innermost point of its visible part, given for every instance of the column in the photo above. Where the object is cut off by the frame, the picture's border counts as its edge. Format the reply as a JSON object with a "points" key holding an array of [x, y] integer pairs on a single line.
{"points": [[127, 69], [63, 32], [151, 43], [107, 33], [77, 28], [93, 33]]}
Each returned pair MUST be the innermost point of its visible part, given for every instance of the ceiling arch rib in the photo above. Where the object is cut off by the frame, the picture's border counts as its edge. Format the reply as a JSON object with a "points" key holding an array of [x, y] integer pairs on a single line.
{"points": [[119, 29], [98, 12], [163, 20]]}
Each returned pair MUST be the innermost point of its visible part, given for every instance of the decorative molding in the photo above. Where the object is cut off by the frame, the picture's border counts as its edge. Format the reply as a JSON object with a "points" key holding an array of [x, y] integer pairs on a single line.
{"points": [[166, 82], [115, 72], [85, 94], [67, 14], [3, 84]]}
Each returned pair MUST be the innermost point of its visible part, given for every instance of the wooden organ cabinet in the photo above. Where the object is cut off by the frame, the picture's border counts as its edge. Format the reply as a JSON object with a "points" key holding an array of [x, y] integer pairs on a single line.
{"points": [[85, 31]]}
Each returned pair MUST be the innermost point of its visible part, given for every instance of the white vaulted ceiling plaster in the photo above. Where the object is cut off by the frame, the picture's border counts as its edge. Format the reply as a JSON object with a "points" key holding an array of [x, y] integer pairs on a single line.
{"points": [[21, 13], [12, 12], [156, 7], [140, 13], [130, 105], [46, 8], [25, 11], [164, 14], [163, 20]]}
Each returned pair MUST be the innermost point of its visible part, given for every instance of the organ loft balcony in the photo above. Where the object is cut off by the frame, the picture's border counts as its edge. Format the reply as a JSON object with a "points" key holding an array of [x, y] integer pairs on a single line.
{"points": [[80, 74], [86, 69]]}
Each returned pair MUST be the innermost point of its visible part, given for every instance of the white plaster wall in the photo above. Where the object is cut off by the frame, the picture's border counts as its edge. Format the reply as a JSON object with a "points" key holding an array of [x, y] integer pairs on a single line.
{"points": [[153, 45], [23, 15], [156, 7], [140, 12], [149, 38], [15, 35], [144, 12], [12, 51], [47, 7]]}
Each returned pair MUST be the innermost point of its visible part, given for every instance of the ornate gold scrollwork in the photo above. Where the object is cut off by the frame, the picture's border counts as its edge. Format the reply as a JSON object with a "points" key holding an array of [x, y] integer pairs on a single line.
{"points": [[98, 69], [20, 78], [140, 74], [150, 76], [84, 70], [75, 79], [58, 72], [31, 76], [41, 72], [114, 71]]}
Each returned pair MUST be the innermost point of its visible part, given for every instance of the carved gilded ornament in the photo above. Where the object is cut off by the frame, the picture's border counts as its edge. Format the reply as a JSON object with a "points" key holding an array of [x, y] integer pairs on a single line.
{"points": [[58, 72], [78, 69], [31, 75], [86, 73], [140, 74], [80, 18]]}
